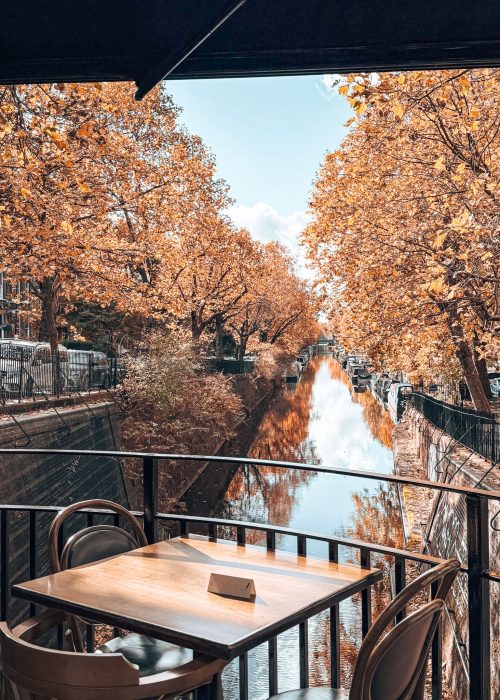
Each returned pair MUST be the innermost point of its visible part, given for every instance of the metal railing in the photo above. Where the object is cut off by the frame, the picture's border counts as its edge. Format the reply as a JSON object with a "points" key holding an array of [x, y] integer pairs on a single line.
{"points": [[474, 429], [229, 366], [37, 373], [26, 526]]}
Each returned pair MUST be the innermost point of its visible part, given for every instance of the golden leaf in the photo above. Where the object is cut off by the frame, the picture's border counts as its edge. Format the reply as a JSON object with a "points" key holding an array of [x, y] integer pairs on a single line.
{"points": [[440, 164], [397, 109], [82, 186], [85, 130], [439, 240]]}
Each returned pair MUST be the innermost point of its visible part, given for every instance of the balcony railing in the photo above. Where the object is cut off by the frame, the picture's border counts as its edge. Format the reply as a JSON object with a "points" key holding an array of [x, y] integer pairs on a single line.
{"points": [[24, 528]]}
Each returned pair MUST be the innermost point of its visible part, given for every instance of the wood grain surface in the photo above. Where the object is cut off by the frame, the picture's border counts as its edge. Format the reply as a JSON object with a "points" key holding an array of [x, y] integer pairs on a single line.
{"points": [[161, 590]]}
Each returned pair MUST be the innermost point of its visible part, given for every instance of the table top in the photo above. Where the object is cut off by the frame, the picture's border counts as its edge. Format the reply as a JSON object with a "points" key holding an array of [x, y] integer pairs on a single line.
{"points": [[161, 590]]}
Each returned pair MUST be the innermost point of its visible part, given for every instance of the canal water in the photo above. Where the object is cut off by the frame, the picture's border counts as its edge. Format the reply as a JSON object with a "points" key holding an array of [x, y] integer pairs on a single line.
{"points": [[321, 420]]}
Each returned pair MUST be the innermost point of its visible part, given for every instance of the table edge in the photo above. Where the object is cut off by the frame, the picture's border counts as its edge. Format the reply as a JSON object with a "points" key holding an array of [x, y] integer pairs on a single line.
{"points": [[222, 651]]}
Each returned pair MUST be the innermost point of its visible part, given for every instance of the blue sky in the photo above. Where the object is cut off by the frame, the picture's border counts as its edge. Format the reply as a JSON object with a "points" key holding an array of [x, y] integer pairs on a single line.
{"points": [[269, 136]]}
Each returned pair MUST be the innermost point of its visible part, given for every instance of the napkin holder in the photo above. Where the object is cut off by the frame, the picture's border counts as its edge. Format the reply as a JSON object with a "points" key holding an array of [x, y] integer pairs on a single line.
{"points": [[232, 586]]}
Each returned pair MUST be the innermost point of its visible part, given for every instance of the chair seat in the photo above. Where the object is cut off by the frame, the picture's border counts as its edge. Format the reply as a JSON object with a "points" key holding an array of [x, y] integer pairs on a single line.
{"points": [[150, 655], [313, 694]]}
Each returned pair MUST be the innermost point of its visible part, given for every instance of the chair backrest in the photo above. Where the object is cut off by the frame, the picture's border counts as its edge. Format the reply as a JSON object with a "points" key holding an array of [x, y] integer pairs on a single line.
{"points": [[35, 671], [95, 542], [442, 577], [394, 668]]}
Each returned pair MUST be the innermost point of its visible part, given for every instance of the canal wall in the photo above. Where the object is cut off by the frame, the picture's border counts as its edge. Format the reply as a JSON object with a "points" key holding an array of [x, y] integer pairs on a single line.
{"points": [[256, 401], [437, 525], [61, 479], [54, 479]]}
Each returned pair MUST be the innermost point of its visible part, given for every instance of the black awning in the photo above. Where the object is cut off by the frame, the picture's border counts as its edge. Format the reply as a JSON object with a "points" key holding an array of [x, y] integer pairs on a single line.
{"points": [[144, 40]]}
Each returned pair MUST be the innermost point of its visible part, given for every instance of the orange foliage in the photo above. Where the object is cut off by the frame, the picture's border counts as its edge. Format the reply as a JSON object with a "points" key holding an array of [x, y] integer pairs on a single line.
{"points": [[405, 223]]}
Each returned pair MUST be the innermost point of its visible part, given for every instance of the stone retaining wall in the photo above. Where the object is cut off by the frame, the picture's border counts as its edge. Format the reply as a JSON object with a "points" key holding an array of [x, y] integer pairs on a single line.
{"points": [[439, 523]]}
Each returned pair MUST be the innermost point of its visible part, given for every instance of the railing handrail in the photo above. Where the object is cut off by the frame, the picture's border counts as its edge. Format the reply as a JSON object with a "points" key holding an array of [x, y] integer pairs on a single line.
{"points": [[248, 525], [321, 468], [472, 412]]}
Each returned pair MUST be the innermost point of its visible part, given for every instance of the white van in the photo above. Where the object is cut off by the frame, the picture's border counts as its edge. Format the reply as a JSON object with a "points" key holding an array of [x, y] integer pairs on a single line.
{"points": [[27, 368], [398, 395], [88, 369]]}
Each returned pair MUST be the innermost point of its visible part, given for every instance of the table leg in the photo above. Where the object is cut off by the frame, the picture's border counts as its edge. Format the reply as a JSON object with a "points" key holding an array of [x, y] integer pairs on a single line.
{"points": [[211, 691]]}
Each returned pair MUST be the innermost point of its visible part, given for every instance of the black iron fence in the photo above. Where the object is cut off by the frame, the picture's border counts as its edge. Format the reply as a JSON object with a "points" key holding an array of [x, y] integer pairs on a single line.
{"points": [[476, 430], [24, 531], [31, 371], [229, 366]]}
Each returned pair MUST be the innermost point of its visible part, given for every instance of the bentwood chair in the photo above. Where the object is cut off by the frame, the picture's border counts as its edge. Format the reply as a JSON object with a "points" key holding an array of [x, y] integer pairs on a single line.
{"points": [[99, 542], [393, 667], [33, 672]]}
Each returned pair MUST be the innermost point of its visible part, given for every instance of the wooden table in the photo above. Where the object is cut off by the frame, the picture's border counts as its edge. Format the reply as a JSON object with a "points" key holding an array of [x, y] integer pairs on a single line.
{"points": [[161, 591]]}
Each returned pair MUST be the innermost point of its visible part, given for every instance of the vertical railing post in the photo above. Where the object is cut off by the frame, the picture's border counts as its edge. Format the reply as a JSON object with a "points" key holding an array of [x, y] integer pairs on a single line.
{"points": [[272, 649], [366, 595], [33, 553], [21, 370], [437, 656], [4, 564], [150, 496], [333, 555], [303, 628], [478, 597], [90, 369], [399, 582]]}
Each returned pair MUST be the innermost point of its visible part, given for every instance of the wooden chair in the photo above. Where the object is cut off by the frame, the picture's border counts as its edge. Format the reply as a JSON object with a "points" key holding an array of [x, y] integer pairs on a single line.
{"points": [[36, 673], [394, 667], [151, 655]]}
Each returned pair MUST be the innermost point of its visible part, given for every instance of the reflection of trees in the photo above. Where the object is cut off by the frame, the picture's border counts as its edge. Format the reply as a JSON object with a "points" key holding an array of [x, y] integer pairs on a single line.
{"points": [[377, 418], [376, 519], [268, 494], [283, 432]]}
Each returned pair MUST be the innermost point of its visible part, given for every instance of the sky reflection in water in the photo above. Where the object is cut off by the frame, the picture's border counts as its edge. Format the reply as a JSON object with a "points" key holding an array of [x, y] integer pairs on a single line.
{"points": [[321, 422]]}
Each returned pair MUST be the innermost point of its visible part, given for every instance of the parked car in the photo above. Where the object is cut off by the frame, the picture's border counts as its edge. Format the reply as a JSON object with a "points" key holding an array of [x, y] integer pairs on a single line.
{"points": [[28, 368], [88, 369], [397, 398], [494, 378]]}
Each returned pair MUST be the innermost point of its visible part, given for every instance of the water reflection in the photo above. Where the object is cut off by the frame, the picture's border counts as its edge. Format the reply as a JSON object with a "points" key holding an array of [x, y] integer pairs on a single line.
{"points": [[322, 421]]}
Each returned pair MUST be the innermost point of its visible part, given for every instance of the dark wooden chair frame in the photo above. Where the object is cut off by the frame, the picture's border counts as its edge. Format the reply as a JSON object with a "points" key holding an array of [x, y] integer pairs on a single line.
{"points": [[375, 645], [38, 673], [59, 562], [442, 577]]}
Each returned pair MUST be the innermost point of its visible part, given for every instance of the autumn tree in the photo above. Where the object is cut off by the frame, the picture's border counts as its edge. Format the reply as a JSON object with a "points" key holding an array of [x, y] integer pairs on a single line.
{"points": [[405, 224], [279, 308], [93, 185], [212, 273]]}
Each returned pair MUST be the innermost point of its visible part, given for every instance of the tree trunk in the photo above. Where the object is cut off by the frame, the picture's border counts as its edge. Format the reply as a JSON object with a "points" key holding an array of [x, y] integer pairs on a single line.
{"points": [[219, 331], [242, 347], [482, 369], [49, 297], [195, 327], [465, 355]]}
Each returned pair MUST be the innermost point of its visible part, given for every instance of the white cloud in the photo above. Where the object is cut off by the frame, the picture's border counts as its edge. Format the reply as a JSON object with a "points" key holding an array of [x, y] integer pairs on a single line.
{"points": [[266, 224], [326, 85]]}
